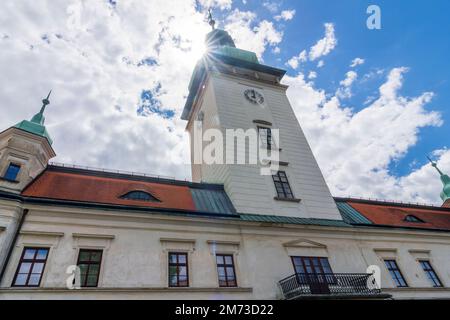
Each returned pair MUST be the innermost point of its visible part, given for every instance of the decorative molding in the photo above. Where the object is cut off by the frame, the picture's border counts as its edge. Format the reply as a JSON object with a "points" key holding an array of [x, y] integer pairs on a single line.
{"points": [[419, 251], [93, 236], [287, 199], [41, 233], [392, 250], [224, 242], [177, 240], [263, 122], [304, 243]]}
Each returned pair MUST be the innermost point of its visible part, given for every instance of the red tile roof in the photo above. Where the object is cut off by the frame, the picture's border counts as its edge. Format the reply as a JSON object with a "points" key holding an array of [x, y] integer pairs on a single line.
{"points": [[394, 214], [446, 204], [107, 190]]}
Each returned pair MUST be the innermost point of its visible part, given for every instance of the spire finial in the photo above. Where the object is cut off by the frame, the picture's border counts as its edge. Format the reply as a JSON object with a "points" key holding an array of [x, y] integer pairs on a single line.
{"points": [[434, 164], [211, 21], [46, 101]]}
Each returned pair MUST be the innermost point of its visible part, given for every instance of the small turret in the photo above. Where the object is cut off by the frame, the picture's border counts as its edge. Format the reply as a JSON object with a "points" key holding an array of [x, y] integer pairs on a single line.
{"points": [[25, 150], [445, 179]]}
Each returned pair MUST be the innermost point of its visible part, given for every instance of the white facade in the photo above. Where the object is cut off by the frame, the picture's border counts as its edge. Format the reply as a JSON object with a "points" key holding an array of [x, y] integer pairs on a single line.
{"points": [[135, 247], [224, 106]]}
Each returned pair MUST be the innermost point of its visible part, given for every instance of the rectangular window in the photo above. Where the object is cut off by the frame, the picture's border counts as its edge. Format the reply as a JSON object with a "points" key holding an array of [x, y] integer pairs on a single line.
{"points": [[429, 271], [318, 267], [89, 262], [226, 271], [396, 275], [31, 267], [282, 185], [178, 269], [12, 172], [265, 137]]}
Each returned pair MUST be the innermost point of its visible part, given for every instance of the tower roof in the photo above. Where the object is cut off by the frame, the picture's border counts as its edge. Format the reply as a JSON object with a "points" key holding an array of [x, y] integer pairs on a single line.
{"points": [[36, 124], [445, 179]]}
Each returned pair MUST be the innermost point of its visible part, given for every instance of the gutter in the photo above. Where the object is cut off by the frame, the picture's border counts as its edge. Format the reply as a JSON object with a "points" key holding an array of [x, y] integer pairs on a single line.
{"points": [[13, 244]]}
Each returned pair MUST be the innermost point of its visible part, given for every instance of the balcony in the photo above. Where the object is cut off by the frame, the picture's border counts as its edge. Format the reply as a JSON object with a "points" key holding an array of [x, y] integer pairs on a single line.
{"points": [[330, 285]]}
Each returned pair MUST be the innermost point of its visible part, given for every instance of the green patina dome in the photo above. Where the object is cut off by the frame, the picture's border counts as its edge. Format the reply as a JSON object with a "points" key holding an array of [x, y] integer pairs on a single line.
{"points": [[36, 124]]}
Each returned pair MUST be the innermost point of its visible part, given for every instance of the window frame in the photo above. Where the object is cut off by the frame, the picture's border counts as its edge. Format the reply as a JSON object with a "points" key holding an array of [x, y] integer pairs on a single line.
{"points": [[225, 266], [433, 278], [177, 264], [285, 186], [268, 141], [89, 263], [12, 164], [394, 275], [151, 197], [414, 218], [302, 277], [32, 261]]}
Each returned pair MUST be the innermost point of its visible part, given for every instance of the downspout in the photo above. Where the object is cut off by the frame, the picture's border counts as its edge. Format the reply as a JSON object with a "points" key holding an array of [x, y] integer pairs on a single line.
{"points": [[13, 244]]}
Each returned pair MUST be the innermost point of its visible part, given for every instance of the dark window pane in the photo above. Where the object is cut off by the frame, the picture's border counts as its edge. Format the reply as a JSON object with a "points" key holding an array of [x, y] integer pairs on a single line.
{"points": [[282, 185], [12, 172], [42, 254], [226, 272], [395, 273], [89, 262], [178, 270], [139, 196]]}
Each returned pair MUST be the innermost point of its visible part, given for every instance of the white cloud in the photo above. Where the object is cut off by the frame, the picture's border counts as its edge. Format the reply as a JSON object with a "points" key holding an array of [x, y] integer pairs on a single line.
{"points": [[296, 60], [276, 50], [320, 64], [312, 75], [250, 34], [356, 62], [285, 15], [222, 4], [272, 6], [345, 90], [325, 45], [354, 149]]}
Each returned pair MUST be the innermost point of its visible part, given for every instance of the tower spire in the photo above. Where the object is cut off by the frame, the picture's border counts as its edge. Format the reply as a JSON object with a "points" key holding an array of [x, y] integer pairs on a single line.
{"points": [[39, 117], [211, 21], [445, 179]]}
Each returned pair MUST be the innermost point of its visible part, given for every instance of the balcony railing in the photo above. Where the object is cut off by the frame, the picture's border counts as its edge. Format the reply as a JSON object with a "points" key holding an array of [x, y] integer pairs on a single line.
{"points": [[332, 284]]}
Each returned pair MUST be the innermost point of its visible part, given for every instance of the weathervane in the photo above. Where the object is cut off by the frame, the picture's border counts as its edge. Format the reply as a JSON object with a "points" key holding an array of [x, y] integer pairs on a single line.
{"points": [[211, 21]]}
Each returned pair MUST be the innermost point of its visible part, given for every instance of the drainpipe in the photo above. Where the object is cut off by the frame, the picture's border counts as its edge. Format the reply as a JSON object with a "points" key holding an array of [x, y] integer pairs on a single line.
{"points": [[13, 244]]}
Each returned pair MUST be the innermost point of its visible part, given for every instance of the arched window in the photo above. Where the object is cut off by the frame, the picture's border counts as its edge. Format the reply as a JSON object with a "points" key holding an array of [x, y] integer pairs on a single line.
{"points": [[139, 196], [411, 218]]}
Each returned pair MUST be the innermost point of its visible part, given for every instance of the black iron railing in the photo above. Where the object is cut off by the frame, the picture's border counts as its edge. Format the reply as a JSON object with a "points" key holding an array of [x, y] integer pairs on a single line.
{"points": [[302, 284]]}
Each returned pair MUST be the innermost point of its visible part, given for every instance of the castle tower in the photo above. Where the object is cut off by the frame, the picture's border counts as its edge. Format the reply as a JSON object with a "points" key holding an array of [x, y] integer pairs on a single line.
{"points": [[25, 150], [230, 89]]}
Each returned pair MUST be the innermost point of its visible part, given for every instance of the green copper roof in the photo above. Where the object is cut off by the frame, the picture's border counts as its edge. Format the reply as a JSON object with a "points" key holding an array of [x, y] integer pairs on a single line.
{"points": [[350, 215], [237, 53], [36, 124], [445, 179], [293, 220]]}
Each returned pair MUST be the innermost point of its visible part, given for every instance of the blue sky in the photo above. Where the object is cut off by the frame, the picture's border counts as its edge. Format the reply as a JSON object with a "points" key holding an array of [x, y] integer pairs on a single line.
{"points": [[414, 34], [120, 73]]}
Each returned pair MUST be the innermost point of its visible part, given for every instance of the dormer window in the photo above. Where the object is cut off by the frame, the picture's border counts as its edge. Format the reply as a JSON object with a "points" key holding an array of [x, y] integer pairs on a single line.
{"points": [[411, 218], [12, 172], [139, 196]]}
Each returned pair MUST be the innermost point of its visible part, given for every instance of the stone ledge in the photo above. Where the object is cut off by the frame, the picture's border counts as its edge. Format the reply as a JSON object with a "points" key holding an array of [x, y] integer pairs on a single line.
{"points": [[127, 289]]}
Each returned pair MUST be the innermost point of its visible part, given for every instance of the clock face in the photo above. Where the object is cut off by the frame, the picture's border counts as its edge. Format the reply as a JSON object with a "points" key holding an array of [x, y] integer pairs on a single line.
{"points": [[254, 96]]}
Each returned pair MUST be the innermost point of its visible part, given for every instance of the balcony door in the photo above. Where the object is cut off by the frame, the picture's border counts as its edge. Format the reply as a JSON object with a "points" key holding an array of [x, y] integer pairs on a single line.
{"points": [[315, 272]]}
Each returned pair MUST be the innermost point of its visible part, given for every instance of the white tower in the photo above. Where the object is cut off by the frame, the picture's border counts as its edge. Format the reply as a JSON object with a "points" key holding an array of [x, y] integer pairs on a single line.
{"points": [[230, 89]]}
